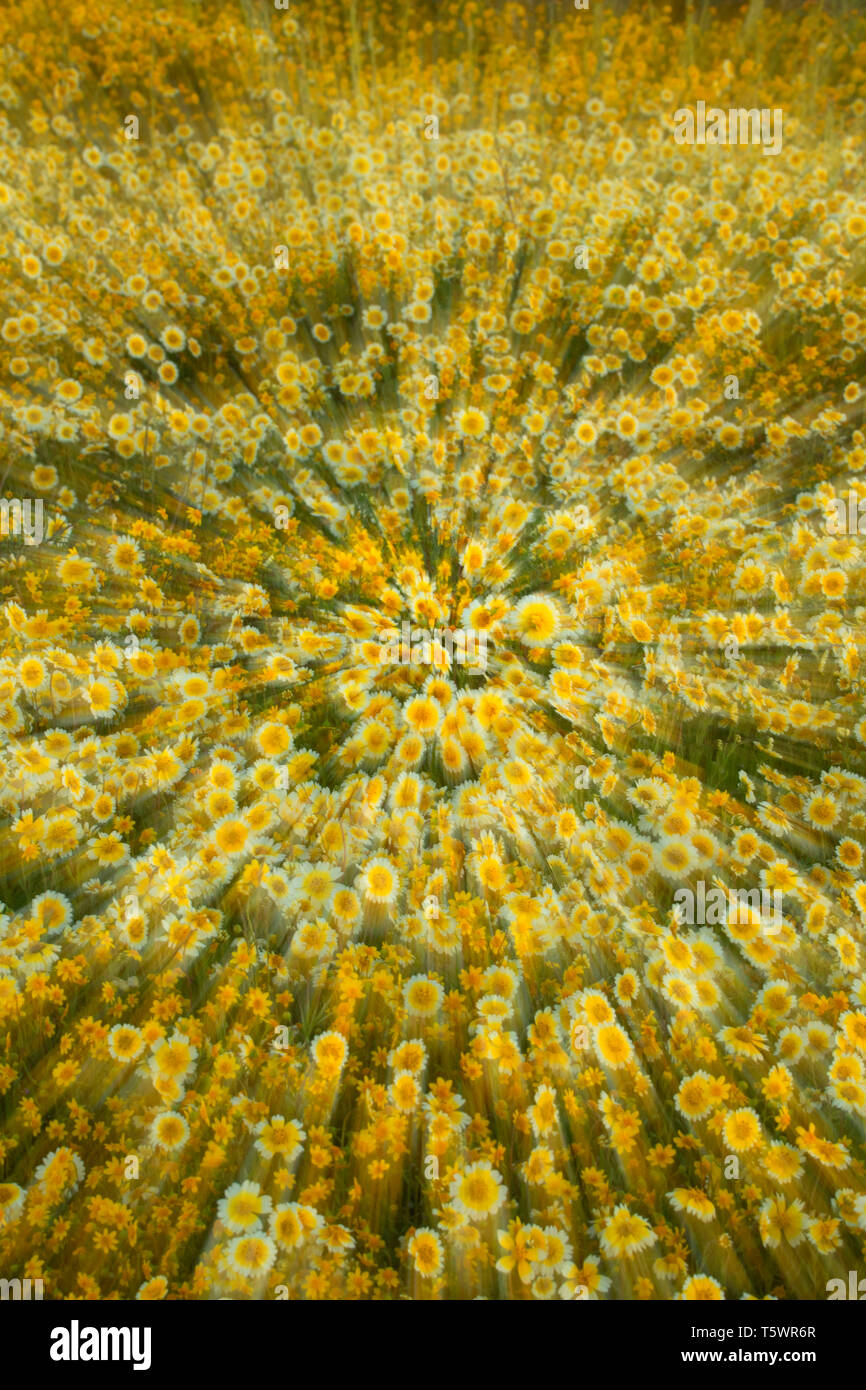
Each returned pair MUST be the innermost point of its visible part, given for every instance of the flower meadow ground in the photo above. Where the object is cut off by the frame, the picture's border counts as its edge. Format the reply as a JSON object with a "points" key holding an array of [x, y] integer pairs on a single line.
{"points": [[329, 976]]}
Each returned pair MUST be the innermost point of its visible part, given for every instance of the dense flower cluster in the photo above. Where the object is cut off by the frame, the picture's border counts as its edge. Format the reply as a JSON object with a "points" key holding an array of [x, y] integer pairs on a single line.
{"points": [[327, 977]]}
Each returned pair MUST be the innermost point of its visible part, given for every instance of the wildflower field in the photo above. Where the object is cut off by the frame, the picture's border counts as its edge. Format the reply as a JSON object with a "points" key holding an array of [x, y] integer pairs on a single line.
{"points": [[329, 976]]}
